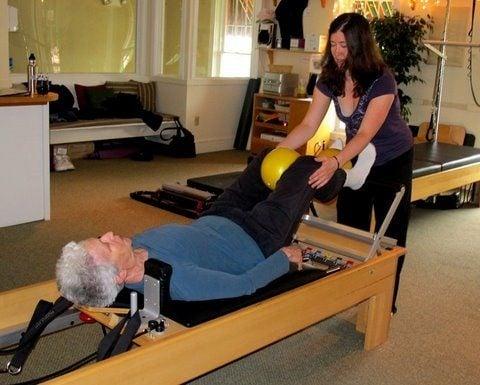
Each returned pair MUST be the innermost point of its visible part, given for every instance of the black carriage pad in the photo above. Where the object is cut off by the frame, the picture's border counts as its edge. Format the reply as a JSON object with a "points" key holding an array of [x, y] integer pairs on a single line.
{"points": [[192, 313], [423, 167], [215, 184], [446, 155]]}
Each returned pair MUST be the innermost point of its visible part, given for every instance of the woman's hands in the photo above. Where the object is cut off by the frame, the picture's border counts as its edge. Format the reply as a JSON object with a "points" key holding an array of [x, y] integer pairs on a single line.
{"points": [[324, 173]]}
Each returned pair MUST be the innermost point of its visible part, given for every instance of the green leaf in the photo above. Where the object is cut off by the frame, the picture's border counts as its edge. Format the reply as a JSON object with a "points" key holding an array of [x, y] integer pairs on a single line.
{"points": [[399, 38]]}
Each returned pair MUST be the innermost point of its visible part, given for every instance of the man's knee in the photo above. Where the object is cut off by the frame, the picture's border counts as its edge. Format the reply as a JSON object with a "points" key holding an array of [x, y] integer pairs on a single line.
{"points": [[305, 163], [299, 172]]}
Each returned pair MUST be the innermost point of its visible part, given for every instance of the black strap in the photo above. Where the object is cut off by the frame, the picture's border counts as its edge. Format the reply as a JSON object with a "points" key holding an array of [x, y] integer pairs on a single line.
{"points": [[472, 21], [60, 372], [125, 340], [40, 310], [116, 342], [59, 307], [44, 313], [14, 366], [178, 127], [109, 341]]}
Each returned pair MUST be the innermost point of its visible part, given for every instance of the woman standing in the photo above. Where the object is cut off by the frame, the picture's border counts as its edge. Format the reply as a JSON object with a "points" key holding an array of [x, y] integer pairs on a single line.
{"points": [[365, 96]]}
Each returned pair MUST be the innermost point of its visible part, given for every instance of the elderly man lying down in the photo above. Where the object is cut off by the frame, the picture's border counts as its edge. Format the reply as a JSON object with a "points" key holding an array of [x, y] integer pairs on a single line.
{"points": [[238, 245]]}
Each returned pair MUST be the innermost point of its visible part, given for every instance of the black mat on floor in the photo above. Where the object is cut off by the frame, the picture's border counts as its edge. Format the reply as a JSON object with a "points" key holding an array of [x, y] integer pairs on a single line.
{"points": [[176, 203]]}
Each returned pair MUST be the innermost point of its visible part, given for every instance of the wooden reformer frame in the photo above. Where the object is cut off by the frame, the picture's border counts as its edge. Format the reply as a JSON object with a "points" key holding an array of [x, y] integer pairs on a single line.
{"points": [[181, 354], [438, 182]]}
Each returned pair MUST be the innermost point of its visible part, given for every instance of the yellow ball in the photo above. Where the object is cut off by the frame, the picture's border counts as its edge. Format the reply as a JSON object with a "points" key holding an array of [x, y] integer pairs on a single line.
{"points": [[275, 164], [330, 153]]}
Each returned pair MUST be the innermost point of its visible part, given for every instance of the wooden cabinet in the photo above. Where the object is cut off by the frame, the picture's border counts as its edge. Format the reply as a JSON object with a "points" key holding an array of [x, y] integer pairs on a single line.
{"points": [[274, 117]]}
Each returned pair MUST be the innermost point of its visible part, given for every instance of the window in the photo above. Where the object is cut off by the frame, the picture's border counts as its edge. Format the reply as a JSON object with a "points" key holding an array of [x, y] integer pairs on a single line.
{"points": [[368, 8], [171, 38], [224, 38], [371, 9], [75, 36]]}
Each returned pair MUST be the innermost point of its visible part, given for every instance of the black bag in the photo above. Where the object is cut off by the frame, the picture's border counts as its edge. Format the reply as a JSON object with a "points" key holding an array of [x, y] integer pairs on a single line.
{"points": [[176, 141], [65, 99]]}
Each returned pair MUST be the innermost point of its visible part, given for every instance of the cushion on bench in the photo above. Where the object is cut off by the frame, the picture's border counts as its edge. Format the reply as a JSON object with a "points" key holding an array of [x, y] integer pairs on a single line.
{"points": [[125, 87], [146, 92]]}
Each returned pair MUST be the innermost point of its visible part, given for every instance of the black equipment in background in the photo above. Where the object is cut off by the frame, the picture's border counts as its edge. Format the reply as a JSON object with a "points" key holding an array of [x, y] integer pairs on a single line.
{"points": [[289, 14], [191, 200], [245, 122], [266, 34], [179, 199]]}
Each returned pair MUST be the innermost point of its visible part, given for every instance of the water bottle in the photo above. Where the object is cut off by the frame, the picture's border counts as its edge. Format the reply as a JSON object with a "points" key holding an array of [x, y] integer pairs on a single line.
{"points": [[32, 75], [42, 84]]}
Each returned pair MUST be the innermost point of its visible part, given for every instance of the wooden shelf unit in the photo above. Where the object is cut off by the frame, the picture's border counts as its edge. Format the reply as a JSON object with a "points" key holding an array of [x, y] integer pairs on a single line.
{"points": [[293, 115]]}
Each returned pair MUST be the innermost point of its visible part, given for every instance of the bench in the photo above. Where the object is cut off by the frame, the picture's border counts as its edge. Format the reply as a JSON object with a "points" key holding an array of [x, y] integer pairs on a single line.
{"points": [[104, 129]]}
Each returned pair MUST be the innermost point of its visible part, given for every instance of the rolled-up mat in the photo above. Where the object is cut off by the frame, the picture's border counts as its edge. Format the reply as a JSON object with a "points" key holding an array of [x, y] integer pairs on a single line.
{"points": [[245, 122]]}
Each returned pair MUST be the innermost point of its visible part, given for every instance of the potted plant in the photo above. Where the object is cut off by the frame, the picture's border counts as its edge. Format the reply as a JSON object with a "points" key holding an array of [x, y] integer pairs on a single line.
{"points": [[400, 40]]}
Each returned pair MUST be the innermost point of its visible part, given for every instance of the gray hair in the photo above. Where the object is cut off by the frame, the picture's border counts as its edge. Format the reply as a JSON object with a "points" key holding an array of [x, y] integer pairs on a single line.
{"points": [[84, 282]]}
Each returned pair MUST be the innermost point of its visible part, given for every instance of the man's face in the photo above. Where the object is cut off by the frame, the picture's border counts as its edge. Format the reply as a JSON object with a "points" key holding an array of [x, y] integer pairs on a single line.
{"points": [[113, 249], [339, 48]]}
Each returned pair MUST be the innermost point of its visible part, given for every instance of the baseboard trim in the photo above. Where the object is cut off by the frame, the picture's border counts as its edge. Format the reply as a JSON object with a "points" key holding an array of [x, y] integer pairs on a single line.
{"points": [[213, 145]]}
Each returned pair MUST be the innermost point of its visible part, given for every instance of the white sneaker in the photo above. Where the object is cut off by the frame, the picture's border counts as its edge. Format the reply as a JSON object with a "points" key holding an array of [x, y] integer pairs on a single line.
{"points": [[62, 163]]}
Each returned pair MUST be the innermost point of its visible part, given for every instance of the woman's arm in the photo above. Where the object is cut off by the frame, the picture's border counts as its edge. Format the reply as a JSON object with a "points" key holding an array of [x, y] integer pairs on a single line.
{"points": [[375, 116], [310, 123]]}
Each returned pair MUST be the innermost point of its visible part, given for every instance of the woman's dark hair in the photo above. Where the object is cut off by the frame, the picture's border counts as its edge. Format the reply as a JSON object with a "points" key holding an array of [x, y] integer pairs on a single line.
{"points": [[364, 61]]}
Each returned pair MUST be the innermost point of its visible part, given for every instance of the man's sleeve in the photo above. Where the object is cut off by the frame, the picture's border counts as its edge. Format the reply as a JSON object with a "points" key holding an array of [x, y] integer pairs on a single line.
{"points": [[268, 270]]}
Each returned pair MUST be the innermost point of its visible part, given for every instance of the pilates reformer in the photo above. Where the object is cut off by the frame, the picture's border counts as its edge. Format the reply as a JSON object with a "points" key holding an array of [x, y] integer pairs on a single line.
{"points": [[175, 341]]}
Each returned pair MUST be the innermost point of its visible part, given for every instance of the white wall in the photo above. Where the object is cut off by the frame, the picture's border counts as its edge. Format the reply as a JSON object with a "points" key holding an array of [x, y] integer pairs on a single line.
{"points": [[218, 106], [458, 106], [216, 102]]}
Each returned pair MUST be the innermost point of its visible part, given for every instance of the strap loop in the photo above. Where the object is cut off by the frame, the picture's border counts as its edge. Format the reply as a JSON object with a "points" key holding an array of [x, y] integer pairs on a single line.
{"points": [[12, 369]]}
